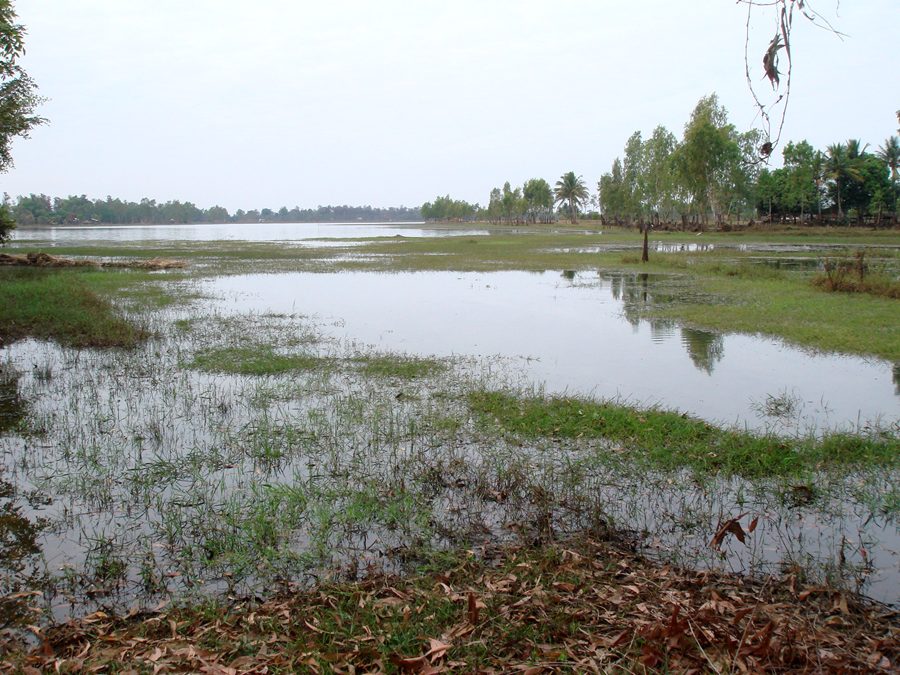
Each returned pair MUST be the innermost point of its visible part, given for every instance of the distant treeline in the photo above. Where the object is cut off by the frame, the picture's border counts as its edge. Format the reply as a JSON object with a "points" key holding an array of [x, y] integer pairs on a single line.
{"points": [[44, 210], [713, 174]]}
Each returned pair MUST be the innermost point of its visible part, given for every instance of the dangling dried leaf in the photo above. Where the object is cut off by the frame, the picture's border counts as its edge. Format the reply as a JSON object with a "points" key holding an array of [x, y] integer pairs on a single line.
{"points": [[770, 61]]}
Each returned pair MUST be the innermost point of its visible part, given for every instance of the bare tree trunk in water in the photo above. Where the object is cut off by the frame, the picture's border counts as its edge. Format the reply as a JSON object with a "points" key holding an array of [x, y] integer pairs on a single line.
{"points": [[645, 251]]}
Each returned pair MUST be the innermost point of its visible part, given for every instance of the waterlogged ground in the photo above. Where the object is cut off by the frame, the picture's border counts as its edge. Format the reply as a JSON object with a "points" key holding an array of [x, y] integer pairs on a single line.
{"points": [[270, 434], [302, 234], [583, 333], [282, 426]]}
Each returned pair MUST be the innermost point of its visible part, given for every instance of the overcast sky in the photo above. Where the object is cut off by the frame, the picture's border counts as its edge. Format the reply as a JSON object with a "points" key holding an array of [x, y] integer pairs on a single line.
{"points": [[274, 103]]}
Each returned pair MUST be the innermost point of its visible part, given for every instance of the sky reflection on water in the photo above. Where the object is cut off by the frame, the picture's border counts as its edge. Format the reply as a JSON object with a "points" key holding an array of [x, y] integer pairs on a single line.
{"points": [[582, 333], [253, 232]]}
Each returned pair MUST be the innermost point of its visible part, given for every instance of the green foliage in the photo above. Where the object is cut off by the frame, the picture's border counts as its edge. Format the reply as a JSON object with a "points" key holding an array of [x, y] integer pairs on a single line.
{"points": [[712, 162], [445, 208], [538, 198], [45, 210], [572, 190], [7, 223], [644, 186], [18, 97]]}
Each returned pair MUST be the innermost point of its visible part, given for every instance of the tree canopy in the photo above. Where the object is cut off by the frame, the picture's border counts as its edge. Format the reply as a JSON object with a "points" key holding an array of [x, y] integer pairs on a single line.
{"points": [[18, 99]]}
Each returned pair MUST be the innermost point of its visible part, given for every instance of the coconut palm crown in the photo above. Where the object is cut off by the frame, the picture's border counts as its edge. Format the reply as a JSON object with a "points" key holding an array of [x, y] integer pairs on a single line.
{"points": [[572, 190]]}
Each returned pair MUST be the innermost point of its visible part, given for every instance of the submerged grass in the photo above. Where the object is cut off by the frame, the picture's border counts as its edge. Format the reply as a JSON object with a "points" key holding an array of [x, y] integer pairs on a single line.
{"points": [[668, 440], [63, 305], [402, 367], [253, 360]]}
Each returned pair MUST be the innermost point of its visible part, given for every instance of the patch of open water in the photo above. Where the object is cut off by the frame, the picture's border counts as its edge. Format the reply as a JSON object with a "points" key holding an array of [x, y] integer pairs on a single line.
{"points": [[583, 333], [298, 233]]}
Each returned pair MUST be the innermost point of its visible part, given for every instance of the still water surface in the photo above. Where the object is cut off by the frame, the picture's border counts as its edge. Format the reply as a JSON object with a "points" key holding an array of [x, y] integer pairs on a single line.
{"points": [[582, 333], [253, 232]]}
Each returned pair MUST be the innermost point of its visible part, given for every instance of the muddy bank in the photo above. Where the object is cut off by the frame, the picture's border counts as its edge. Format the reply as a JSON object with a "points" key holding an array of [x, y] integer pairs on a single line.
{"points": [[41, 259]]}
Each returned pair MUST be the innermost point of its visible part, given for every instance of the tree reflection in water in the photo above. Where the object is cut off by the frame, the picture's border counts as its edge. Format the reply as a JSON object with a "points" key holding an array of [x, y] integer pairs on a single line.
{"points": [[706, 349], [12, 406], [22, 570]]}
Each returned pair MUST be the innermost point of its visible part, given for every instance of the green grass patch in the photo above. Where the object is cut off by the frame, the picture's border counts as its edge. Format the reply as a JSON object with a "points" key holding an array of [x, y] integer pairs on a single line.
{"points": [[795, 311], [254, 360], [402, 367], [65, 306], [669, 440]]}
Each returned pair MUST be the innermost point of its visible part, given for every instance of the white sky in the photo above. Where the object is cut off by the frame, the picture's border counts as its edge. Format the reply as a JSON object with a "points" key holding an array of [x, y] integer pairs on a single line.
{"points": [[275, 103]]}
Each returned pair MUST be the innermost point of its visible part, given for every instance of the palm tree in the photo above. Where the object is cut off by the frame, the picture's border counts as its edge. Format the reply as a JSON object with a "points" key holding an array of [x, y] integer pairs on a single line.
{"points": [[571, 188], [840, 167], [818, 172], [889, 153]]}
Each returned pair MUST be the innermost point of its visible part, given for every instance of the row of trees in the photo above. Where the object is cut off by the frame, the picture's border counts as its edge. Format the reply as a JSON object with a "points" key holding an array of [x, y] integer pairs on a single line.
{"points": [[845, 179], [710, 173], [44, 210], [531, 203], [715, 172]]}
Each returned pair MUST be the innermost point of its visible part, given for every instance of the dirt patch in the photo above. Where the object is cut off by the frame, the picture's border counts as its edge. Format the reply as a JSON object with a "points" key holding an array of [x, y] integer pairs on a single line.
{"points": [[41, 259]]}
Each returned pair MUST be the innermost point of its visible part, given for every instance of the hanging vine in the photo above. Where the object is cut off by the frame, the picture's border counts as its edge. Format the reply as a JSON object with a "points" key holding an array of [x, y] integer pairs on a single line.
{"points": [[777, 63]]}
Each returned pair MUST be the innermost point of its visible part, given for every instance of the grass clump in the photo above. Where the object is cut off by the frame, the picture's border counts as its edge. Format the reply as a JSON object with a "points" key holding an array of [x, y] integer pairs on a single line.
{"points": [[62, 305], [402, 367], [254, 360], [853, 277], [669, 440]]}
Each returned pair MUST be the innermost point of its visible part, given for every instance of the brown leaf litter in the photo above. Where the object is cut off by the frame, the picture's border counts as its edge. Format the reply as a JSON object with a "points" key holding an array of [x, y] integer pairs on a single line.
{"points": [[582, 606]]}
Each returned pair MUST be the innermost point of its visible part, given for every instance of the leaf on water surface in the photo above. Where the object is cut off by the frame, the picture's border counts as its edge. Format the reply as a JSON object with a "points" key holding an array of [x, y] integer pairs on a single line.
{"points": [[732, 526]]}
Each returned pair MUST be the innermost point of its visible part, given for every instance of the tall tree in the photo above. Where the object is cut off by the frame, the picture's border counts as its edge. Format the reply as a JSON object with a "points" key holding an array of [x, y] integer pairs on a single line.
{"points": [[571, 190], [538, 199], [709, 159], [840, 169], [889, 153], [801, 163], [18, 99], [657, 176]]}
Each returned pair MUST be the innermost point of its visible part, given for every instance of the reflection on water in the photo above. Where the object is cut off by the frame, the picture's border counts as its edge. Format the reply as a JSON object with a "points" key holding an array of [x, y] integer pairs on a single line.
{"points": [[705, 348], [22, 571], [12, 406], [585, 333], [261, 232]]}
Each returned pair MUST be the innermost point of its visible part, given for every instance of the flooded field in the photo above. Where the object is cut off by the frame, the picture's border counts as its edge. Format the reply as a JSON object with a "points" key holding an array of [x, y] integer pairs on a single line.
{"points": [[283, 427], [291, 424], [304, 234], [582, 333]]}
